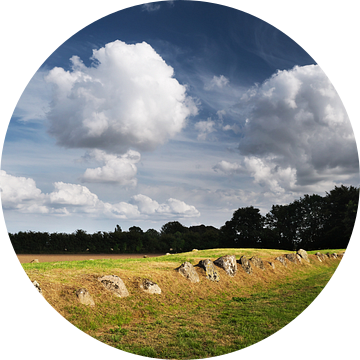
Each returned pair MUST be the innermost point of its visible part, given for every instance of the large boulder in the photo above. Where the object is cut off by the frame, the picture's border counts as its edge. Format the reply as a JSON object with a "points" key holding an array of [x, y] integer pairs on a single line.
{"points": [[257, 262], [84, 297], [150, 287], [115, 285], [281, 259], [36, 284], [188, 271], [292, 258], [245, 264], [228, 263], [303, 254], [211, 272]]}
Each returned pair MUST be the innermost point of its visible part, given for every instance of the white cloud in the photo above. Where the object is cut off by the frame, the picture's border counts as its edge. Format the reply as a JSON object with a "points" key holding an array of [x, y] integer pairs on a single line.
{"points": [[117, 169], [228, 167], [150, 7], [128, 98], [205, 128], [21, 194], [297, 134], [217, 82]]}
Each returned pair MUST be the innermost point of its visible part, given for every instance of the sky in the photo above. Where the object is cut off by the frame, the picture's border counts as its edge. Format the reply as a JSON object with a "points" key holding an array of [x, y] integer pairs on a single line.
{"points": [[172, 111]]}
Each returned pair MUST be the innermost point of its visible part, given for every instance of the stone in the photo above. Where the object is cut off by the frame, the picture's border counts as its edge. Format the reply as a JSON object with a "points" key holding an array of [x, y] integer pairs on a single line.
{"points": [[303, 254], [194, 250], [320, 256], [292, 257], [34, 261], [245, 264], [150, 287], [145, 256], [211, 273], [115, 285], [257, 262], [188, 271], [36, 284], [281, 259], [228, 263], [271, 264], [84, 297]]}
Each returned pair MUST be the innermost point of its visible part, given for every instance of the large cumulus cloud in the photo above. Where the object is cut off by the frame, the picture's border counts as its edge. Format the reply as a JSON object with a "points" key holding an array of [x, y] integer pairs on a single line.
{"points": [[128, 98], [296, 134]]}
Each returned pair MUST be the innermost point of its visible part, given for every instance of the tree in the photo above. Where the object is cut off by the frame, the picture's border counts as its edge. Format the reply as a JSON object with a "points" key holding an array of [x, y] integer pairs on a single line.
{"points": [[173, 227], [244, 229]]}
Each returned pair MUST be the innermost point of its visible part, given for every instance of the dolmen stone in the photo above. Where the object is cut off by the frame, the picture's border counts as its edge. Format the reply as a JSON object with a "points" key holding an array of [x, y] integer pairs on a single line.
{"points": [[36, 284], [303, 254], [320, 256], [281, 259], [114, 284], [211, 272], [245, 264], [150, 287], [84, 297], [257, 262], [292, 257], [188, 271], [228, 263]]}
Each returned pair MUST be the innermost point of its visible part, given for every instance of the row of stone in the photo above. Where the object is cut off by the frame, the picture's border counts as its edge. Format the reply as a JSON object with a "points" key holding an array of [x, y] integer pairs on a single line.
{"points": [[228, 263], [114, 284]]}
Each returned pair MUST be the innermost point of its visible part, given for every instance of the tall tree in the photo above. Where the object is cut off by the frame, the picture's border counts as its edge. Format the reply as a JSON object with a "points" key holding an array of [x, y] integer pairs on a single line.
{"points": [[244, 229]]}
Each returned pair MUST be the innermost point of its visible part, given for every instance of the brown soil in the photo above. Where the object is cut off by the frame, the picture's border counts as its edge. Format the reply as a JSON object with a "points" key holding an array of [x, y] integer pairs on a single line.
{"points": [[26, 258]]}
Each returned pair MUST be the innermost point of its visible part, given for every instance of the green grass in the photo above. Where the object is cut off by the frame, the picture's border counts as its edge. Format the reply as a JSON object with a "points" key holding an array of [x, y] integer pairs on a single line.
{"points": [[187, 321]]}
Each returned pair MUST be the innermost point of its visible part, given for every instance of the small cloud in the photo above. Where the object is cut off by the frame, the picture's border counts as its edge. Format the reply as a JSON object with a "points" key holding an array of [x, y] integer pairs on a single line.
{"points": [[150, 7], [217, 82], [227, 167], [116, 169], [205, 128]]}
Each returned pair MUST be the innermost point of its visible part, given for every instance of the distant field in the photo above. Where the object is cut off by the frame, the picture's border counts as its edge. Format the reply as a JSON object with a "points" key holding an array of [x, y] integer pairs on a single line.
{"points": [[186, 321], [26, 258]]}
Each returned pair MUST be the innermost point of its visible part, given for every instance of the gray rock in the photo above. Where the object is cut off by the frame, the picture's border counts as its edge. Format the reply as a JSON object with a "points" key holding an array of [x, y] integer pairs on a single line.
{"points": [[245, 264], [271, 264], [228, 263], [257, 262], [36, 284], [303, 254], [84, 297], [150, 287], [292, 257], [211, 272], [115, 285], [282, 260], [188, 271]]}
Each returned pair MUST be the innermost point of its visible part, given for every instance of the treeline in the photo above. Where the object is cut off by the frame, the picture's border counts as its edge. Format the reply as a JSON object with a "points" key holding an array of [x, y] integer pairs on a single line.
{"points": [[312, 222]]}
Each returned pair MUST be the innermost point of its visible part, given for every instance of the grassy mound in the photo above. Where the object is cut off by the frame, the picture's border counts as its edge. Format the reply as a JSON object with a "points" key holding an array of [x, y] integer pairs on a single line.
{"points": [[186, 320]]}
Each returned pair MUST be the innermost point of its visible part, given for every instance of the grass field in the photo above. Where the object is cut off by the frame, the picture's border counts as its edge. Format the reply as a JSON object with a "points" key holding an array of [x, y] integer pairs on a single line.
{"points": [[186, 321]]}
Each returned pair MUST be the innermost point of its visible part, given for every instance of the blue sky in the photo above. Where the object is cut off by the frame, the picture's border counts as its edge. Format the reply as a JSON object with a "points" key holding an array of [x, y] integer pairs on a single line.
{"points": [[172, 111]]}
